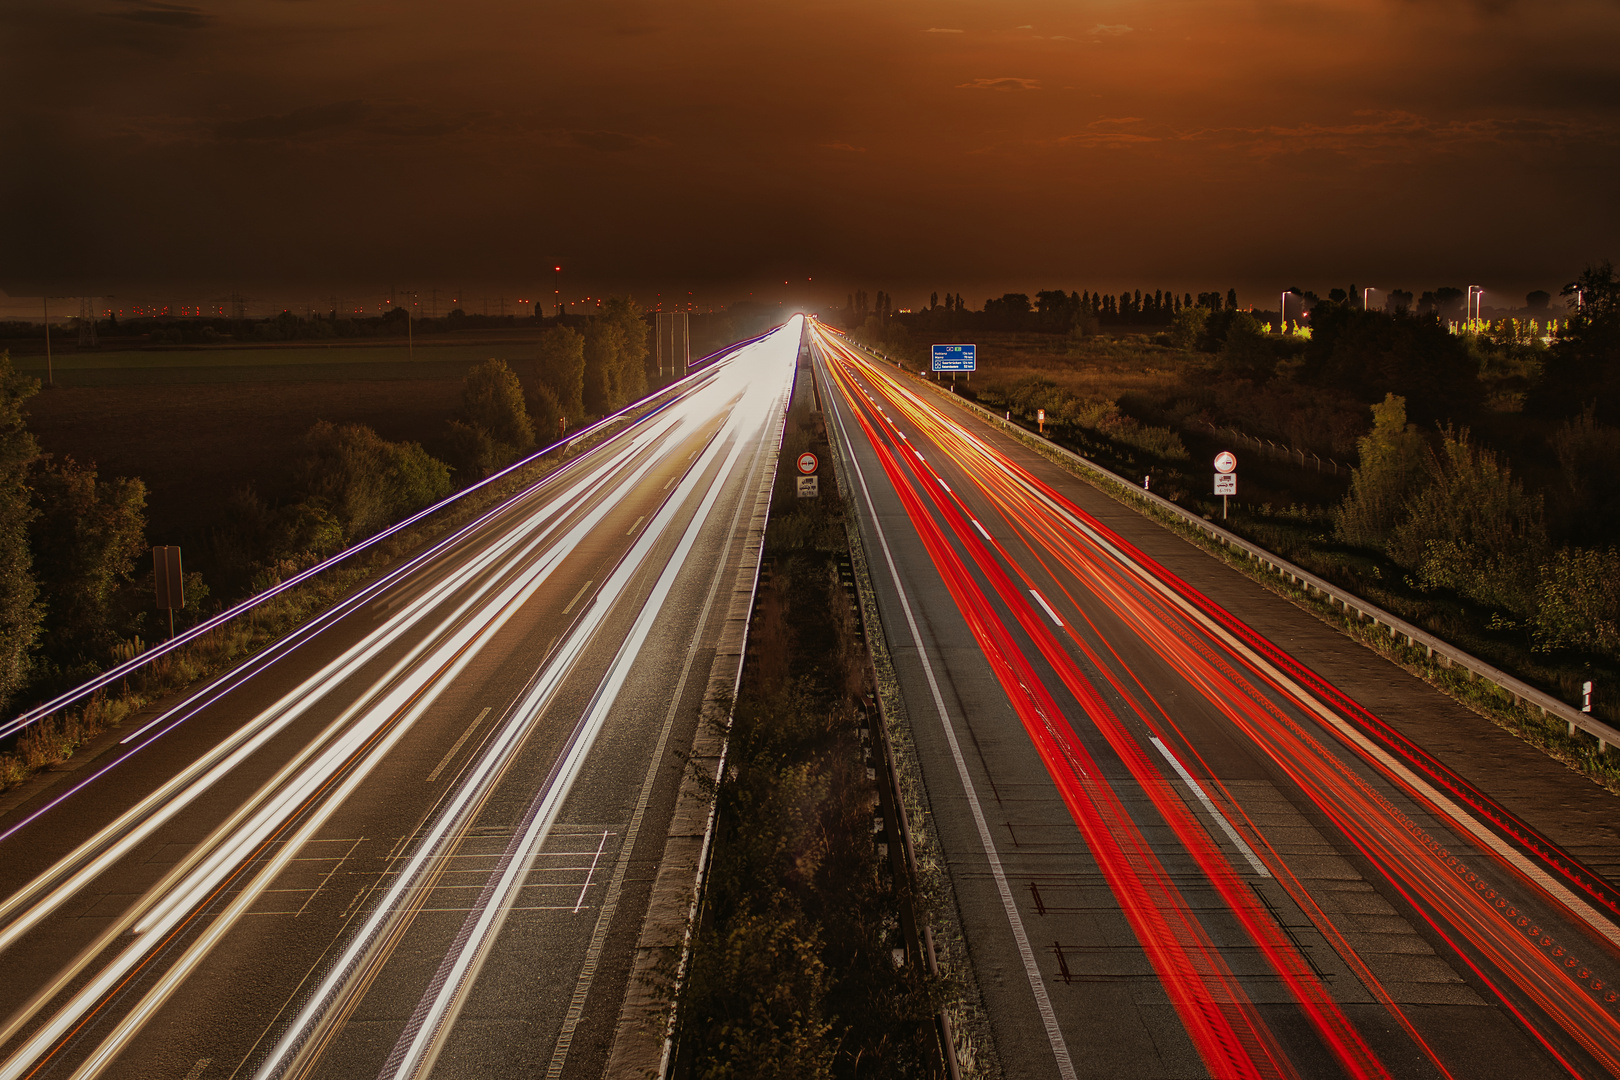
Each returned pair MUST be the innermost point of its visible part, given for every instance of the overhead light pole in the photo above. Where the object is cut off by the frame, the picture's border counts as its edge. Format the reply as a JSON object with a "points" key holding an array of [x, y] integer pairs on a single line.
{"points": [[1365, 293], [1476, 307], [558, 290], [1282, 313]]}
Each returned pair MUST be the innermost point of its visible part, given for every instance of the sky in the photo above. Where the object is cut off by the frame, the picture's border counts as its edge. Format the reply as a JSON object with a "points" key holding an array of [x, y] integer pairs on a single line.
{"points": [[329, 147]]}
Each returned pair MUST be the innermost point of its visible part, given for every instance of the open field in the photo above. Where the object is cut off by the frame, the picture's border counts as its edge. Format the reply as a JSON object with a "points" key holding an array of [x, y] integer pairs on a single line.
{"points": [[301, 363], [193, 444]]}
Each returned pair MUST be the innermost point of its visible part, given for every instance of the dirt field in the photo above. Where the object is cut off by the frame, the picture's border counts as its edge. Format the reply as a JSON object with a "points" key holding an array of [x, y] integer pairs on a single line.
{"points": [[1103, 366]]}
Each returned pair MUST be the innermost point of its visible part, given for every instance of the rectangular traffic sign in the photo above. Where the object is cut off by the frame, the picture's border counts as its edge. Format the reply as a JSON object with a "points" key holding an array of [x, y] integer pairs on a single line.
{"points": [[1225, 483], [955, 357], [809, 487]]}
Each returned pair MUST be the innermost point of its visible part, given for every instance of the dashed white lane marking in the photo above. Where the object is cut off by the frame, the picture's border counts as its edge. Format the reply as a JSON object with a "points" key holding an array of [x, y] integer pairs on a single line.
{"points": [[1041, 600], [1220, 818], [465, 735]]}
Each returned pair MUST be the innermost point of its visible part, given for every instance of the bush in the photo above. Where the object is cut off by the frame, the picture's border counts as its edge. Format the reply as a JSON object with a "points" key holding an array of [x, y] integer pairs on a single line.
{"points": [[1473, 529], [365, 482], [1578, 602]]}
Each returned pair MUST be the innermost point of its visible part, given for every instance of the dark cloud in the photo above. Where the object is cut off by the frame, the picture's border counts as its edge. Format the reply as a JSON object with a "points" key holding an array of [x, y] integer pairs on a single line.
{"points": [[1004, 85], [607, 141], [299, 122], [152, 13]]}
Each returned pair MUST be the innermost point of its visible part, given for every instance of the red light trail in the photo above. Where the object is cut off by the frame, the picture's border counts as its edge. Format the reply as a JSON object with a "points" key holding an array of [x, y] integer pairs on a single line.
{"points": [[1476, 895]]}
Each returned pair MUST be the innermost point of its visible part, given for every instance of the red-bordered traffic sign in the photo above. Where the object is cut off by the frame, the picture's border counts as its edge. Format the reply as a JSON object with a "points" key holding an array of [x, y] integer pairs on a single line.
{"points": [[1225, 462], [807, 463]]}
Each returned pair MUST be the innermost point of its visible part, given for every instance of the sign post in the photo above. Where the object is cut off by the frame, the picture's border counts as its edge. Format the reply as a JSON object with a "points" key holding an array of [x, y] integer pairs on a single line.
{"points": [[169, 581], [1225, 477], [1040, 419], [809, 482]]}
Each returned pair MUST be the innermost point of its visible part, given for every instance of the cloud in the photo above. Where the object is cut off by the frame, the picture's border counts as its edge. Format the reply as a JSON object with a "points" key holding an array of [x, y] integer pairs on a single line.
{"points": [[290, 125], [942, 30], [1111, 30], [153, 13], [609, 142], [1004, 85]]}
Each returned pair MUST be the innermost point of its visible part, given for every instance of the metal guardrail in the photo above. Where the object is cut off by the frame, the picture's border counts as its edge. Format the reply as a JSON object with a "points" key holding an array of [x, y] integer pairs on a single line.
{"points": [[1518, 691]]}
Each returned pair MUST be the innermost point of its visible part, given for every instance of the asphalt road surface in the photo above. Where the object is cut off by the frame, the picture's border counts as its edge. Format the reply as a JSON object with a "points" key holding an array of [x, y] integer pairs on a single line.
{"points": [[1176, 849], [419, 838]]}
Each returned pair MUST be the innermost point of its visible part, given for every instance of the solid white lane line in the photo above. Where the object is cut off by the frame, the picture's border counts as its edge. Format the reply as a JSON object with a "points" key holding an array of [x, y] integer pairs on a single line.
{"points": [[1037, 985], [1214, 812], [631, 531], [465, 735], [1041, 600], [982, 533], [575, 600]]}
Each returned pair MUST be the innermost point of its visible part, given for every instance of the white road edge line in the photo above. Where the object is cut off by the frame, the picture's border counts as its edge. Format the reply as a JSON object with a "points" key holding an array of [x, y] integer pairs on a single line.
{"points": [[1043, 1001], [1220, 818]]}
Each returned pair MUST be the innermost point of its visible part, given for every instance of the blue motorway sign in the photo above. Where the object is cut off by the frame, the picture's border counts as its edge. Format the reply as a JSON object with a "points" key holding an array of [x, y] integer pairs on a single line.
{"points": [[954, 357]]}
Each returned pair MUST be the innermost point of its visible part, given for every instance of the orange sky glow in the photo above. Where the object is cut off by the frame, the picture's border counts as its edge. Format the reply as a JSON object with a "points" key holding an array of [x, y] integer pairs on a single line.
{"points": [[954, 146]]}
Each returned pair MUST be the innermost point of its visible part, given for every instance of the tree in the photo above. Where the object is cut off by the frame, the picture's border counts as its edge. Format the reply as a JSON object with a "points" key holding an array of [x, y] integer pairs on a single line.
{"points": [[1246, 352], [1391, 469], [604, 342], [1231, 299], [19, 610], [1370, 355], [492, 399], [615, 356], [562, 368], [1584, 365], [1539, 300], [88, 536]]}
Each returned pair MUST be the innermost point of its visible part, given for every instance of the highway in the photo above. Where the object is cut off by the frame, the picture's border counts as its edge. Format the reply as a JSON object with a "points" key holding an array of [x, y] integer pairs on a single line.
{"points": [[418, 839], [1175, 848]]}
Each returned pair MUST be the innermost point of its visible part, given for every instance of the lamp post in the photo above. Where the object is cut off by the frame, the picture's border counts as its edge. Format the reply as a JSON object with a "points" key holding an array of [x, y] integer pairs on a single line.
{"points": [[558, 290], [1282, 313], [1365, 293]]}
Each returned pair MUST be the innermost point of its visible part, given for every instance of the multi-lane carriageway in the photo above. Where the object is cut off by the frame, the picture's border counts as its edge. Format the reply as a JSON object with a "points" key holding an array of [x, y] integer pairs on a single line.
{"points": [[1175, 849], [419, 838]]}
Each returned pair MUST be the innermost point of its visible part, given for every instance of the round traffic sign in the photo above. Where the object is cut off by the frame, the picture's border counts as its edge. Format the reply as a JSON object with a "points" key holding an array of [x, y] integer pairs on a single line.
{"points": [[1225, 462], [807, 463]]}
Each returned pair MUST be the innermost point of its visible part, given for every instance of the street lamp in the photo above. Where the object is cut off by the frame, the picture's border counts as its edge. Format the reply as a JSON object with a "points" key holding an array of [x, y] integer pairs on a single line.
{"points": [[1476, 306], [558, 290], [1282, 313], [1366, 293]]}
